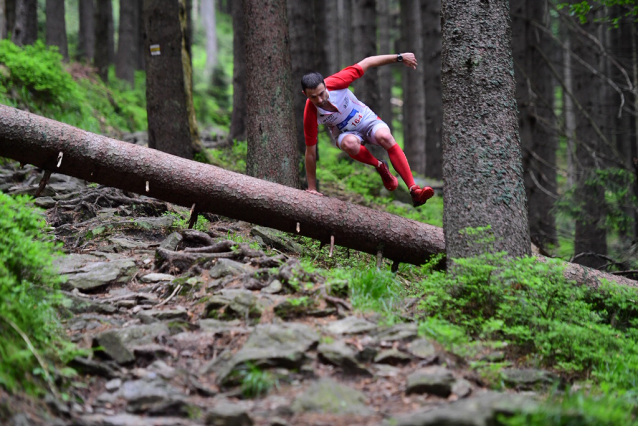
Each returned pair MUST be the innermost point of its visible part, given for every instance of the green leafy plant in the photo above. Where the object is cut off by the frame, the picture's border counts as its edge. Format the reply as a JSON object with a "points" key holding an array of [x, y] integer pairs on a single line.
{"points": [[256, 382], [180, 221]]}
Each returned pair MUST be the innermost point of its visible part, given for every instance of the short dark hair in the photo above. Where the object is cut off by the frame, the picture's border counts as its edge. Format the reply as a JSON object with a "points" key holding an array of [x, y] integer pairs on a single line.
{"points": [[311, 81]]}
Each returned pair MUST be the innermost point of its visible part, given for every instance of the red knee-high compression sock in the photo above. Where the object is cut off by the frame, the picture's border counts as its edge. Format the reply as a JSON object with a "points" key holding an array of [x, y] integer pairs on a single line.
{"points": [[400, 164], [365, 157]]}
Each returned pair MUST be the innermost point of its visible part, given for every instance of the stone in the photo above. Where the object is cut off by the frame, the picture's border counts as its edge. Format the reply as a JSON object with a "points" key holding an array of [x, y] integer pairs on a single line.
{"points": [[331, 397], [112, 347], [496, 356], [294, 307], [433, 380], [99, 274], [172, 241], [218, 326], [277, 239], [113, 385], [151, 396], [124, 419], [127, 243], [482, 410], [156, 278], [528, 378], [81, 305], [462, 388], [139, 335], [154, 222], [91, 366], [231, 304], [120, 344], [351, 325], [73, 262], [385, 370], [392, 357], [341, 355], [227, 413], [273, 288], [401, 331], [45, 202], [422, 348], [162, 369], [273, 346], [225, 267], [179, 313]]}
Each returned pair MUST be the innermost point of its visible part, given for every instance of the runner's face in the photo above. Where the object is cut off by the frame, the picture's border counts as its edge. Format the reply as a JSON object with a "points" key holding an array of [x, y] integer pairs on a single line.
{"points": [[318, 96]]}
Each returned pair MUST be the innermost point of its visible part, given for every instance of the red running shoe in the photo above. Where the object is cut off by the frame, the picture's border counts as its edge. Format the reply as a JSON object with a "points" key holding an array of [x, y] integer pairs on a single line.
{"points": [[389, 181], [420, 195]]}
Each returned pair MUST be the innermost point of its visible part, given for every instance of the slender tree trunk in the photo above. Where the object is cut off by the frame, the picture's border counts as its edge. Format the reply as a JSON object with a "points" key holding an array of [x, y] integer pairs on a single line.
{"points": [[126, 59], [482, 170], [332, 42], [413, 88], [86, 34], [634, 157], [591, 234], [569, 112], [3, 19], [345, 33], [431, 63], [25, 30], [238, 116], [104, 43], [56, 26], [321, 38], [535, 95], [172, 126], [210, 28], [385, 73], [365, 44], [303, 56], [272, 150], [141, 42], [188, 35], [10, 15]]}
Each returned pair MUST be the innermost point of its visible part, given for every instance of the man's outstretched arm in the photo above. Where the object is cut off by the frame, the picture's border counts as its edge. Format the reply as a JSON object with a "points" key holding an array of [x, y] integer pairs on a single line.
{"points": [[376, 61], [311, 167]]}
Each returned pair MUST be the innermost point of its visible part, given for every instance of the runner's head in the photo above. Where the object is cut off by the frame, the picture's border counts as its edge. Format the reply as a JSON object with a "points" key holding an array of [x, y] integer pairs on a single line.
{"points": [[313, 86]]}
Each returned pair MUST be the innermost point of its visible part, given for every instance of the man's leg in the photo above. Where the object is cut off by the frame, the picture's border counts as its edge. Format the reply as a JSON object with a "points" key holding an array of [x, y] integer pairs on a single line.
{"points": [[384, 138], [351, 144]]}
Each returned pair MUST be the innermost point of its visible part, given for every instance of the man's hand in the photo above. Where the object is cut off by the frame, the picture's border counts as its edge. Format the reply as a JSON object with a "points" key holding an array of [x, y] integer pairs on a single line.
{"points": [[314, 191], [409, 60]]}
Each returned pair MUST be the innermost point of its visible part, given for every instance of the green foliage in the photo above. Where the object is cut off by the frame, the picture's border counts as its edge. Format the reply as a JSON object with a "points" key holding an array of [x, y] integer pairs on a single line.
{"points": [[256, 382], [231, 158], [180, 221], [29, 326], [530, 304], [628, 10]]}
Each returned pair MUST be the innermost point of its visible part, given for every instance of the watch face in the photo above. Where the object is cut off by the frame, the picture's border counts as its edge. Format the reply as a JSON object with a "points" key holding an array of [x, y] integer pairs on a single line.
{"points": [[399, 58]]}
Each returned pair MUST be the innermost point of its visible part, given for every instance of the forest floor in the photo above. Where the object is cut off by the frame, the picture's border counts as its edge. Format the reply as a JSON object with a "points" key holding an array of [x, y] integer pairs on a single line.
{"points": [[224, 325]]}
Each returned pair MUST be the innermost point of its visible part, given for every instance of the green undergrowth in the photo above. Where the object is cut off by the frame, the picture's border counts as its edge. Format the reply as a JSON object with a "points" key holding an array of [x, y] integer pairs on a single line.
{"points": [[34, 78], [32, 341]]}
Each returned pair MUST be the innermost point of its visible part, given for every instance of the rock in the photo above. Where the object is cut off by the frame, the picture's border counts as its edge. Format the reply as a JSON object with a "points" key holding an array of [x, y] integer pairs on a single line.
{"points": [[341, 355], [127, 243], [81, 305], [482, 410], [99, 274], [152, 396], [392, 357], [528, 378], [277, 239], [111, 345], [179, 313], [155, 278], [91, 366], [139, 335], [232, 303], [227, 413], [385, 370], [113, 385], [402, 331], [273, 288], [44, 202], [225, 267], [330, 397], [273, 346], [351, 325], [496, 356], [433, 380], [422, 348], [462, 388], [172, 241], [162, 369], [294, 307], [124, 419], [154, 222], [120, 344], [73, 262]]}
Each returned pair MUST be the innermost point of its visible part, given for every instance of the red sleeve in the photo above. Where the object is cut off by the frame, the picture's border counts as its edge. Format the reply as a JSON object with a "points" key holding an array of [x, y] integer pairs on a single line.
{"points": [[344, 78], [310, 127]]}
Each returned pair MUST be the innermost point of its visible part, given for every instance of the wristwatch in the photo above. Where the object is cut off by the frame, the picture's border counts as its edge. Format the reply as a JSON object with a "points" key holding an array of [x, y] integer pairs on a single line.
{"points": [[399, 57]]}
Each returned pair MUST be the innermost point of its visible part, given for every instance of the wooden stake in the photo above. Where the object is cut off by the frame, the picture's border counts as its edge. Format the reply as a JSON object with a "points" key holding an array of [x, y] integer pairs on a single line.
{"points": [[43, 182], [193, 217], [332, 245]]}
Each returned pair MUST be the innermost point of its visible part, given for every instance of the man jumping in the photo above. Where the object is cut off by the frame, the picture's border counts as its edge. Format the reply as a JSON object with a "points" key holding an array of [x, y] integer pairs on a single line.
{"points": [[352, 123]]}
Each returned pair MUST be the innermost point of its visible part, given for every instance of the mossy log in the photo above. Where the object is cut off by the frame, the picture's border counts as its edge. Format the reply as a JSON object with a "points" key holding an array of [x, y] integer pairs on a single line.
{"points": [[64, 149]]}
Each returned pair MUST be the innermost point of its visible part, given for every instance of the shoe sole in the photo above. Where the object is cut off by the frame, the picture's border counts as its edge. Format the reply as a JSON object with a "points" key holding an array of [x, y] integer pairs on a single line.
{"points": [[425, 196]]}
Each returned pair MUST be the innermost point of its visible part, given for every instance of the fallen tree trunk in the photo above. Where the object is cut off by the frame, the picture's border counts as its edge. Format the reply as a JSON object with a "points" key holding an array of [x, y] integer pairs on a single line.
{"points": [[61, 148]]}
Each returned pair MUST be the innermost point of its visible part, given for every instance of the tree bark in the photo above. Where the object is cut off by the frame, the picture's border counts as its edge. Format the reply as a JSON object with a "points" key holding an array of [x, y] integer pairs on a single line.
{"points": [[210, 29], [364, 34], [86, 34], [25, 29], [270, 125], [3, 19], [345, 33], [537, 127], [10, 16], [238, 115], [413, 88], [141, 56], [126, 59], [431, 18], [385, 73], [32, 139], [482, 170], [172, 126], [56, 26], [332, 42], [104, 42]]}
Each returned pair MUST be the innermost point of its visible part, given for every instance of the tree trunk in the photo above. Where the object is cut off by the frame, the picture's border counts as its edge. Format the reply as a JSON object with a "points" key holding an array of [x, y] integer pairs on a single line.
{"points": [[535, 98], [188, 34], [385, 73], [86, 34], [591, 234], [365, 44], [210, 29], [238, 116], [141, 42], [126, 60], [172, 126], [569, 115], [272, 150], [56, 26], [32, 139], [431, 63], [345, 33], [25, 29], [104, 44], [3, 19], [332, 42], [482, 170], [10, 16], [413, 88], [321, 38], [303, 59]]}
